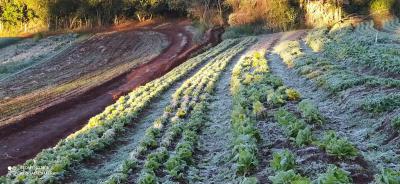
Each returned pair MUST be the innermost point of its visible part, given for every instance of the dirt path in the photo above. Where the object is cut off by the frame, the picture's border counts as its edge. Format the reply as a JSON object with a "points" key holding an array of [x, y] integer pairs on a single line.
{"points": [[45, 129]]}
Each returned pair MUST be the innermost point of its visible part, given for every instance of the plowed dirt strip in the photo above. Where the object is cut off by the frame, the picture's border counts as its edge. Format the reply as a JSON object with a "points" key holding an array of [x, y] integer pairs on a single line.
{"points": [[46, 128]]}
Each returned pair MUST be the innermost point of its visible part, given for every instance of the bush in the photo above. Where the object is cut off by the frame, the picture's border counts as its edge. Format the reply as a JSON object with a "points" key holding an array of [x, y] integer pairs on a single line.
{"points": [[283, 161], [382, 7], [38, 36], [242, 30]]}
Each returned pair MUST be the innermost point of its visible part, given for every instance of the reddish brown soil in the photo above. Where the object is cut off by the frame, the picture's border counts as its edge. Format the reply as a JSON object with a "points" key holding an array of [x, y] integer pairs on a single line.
{"points": [[23, 140]]}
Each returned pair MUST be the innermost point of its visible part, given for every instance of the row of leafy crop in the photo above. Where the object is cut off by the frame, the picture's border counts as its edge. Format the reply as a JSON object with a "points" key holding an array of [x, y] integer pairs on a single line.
{"points": [[181, 121], [374, 50], [254, 90], [299, 130], [367, 26], [392, 25], [334, 77], [102, 129], [315, 66], [367, 31]]}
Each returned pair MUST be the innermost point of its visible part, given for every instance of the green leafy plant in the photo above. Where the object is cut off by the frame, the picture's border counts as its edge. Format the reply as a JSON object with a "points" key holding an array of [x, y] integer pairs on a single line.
{"points": [[339, 147], [175, 167], [304, 137], [396, 122], [292, 94], [117, 179], [288, 177], [148, 177], [246, 160], [388, 176], [275, 98], [310, 113], [334, 175], [258, 109], [294, 128], [154, 160], [283, 161], [247, 180], [284, 117]]}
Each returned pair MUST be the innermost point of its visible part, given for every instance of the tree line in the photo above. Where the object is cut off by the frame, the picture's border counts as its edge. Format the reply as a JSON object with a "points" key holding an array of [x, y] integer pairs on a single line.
{"points": [[71, 14]]}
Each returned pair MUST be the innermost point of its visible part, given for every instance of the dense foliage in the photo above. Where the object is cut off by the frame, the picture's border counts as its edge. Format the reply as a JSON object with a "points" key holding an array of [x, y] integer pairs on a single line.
{"points": [[30, 15]]}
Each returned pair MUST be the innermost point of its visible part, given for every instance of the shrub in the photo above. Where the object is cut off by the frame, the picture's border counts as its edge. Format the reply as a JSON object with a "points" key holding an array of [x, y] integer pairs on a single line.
{"points": [[288, 177], [334, 175], [242, 30], [283, 161], [339, 147], [382, 7], [388, 176]]}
